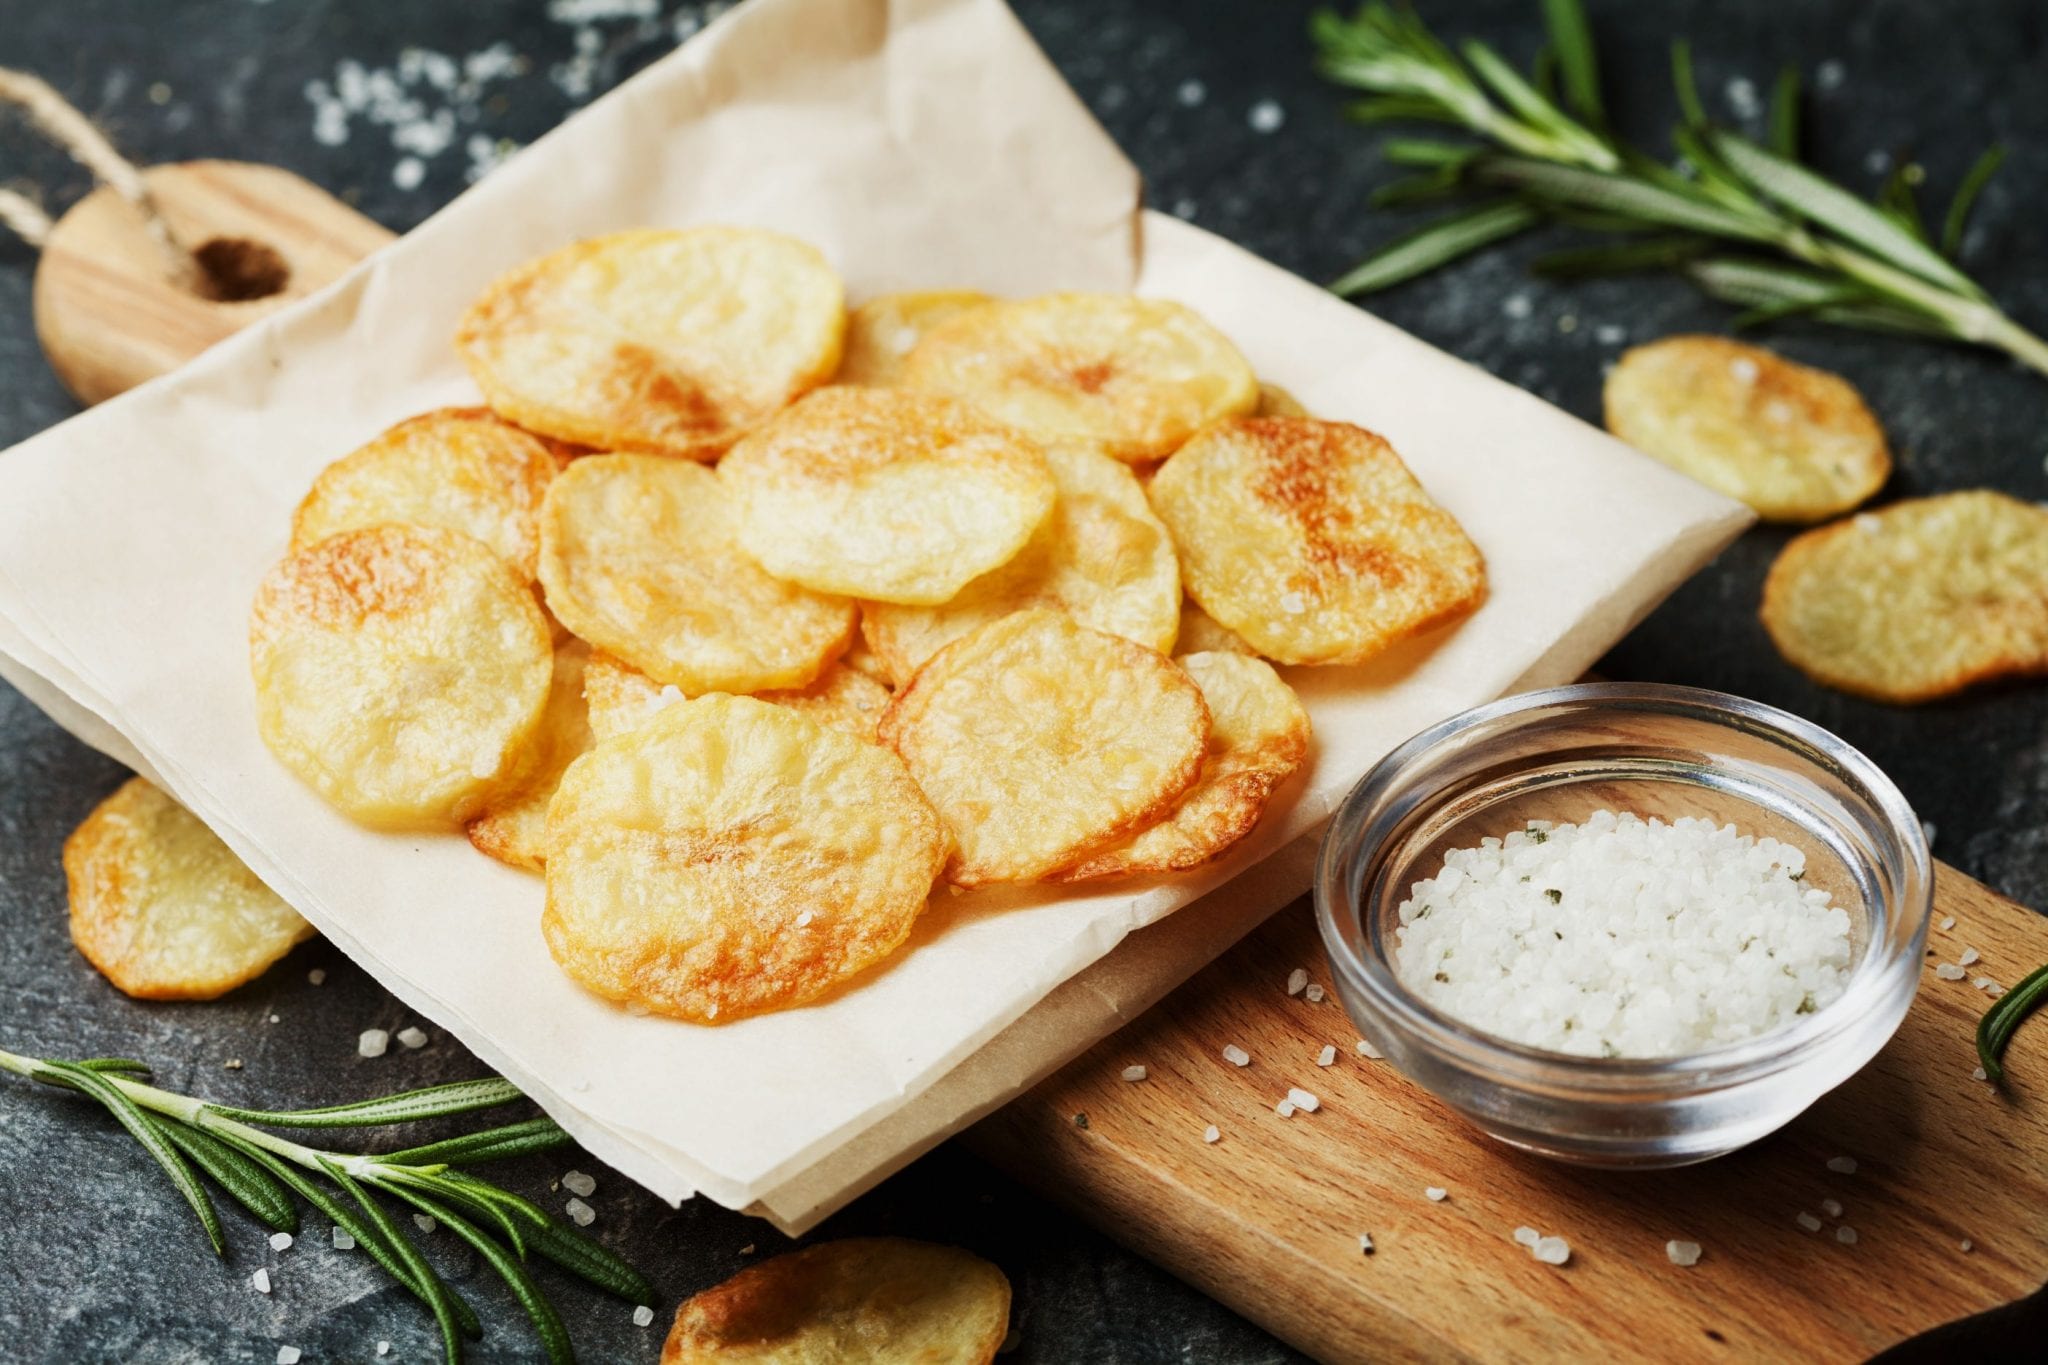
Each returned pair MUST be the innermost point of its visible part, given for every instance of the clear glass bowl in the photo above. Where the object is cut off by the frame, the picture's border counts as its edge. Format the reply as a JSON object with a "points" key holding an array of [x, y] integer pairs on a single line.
{"points": [[1560, 755]]}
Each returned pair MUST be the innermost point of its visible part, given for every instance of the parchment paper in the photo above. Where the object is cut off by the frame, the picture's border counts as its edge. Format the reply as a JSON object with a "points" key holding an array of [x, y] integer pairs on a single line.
{"points": [[918, 143]]}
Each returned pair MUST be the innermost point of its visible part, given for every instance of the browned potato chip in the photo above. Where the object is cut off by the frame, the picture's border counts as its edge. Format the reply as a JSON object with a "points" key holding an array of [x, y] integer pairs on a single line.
{"points": [[1275, 401], [640, 556], [622, 698], [1199, 634], [514, 825], [666, 342], [1918, 600], [885, 494], [730, 857], [1796, 444], [1103, 557], [1258, 736], [881, 333], [400, 672], [861, 659], [1312, 540], [1138, 375], [858, 1301], [1040, 740], [163, 908], [461, 469]]}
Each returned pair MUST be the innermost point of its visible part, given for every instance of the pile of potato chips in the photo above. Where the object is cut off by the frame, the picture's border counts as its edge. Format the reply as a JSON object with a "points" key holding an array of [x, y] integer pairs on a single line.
{"points": [[745, 660]]}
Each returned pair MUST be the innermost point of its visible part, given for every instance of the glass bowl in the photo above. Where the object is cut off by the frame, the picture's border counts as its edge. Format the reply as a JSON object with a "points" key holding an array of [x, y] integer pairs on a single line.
{"points": [[1560, 755]]}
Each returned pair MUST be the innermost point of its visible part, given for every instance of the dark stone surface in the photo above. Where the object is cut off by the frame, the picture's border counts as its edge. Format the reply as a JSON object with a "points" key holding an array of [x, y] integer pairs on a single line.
{"points": [[98, 1261]]}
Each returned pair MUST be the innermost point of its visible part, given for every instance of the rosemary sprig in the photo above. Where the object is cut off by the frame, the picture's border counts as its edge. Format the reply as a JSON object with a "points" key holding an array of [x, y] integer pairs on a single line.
{"points": [[261, 1171], [2003, 1019], [1745, 221]]}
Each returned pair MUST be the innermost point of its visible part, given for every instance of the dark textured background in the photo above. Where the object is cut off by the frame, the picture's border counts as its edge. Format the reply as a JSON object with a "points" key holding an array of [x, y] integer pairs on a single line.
{"points": [[98, 1261]]}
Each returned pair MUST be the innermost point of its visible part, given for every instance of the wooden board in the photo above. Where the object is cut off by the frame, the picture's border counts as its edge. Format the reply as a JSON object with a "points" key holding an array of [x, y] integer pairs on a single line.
{"points": [[1267, 1219]]}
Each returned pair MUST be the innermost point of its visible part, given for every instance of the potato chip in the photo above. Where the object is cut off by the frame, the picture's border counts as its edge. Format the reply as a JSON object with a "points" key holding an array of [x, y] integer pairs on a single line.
{"points": [[400, 672], [1258, 736], [622, 698], [881, 333], [163, 908], [730, 857], [1275, 401], [861, 659], [857, 1301], [1199, 634], [885, 494], [461, 469], [1103, 557], [665, 342], [1312, 540], [1918, 600], [1138, 375], [1796, 444], [1040, 740], [639, 556], [514, 825]]}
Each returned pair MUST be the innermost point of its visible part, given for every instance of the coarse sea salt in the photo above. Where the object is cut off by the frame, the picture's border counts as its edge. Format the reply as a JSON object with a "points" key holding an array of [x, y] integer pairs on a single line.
{"points": [[1236, 1055], [1842, 1165], [1328, 1056], [1809, 1222], [1134, 1073], [1366, 1049], [1682, 1253], [1528, 1236], [1212, 1134], [260, 1281], [643, 1316], [1303, 1100], [1436, 1194], [1552, 1251], [1297, 981], [1624, 937], [373, 1042], [576, 1182]]}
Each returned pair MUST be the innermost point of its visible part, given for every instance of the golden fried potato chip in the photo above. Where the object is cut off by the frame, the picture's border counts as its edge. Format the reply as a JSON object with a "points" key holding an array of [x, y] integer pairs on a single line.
{"points": [[1258, 736], [622, 698], [461, 469], [885, 494], [1918, 600], [881, 333], [163, 908], [640, 556], [514, 825], [1138, 375], [1103, 557], [730, 857], [1275, 401], [861, 659], [1796, 444], [1199, 634], [857, 1301], [1312, 540], [1040, 740], [665, 342], [400, 672]]}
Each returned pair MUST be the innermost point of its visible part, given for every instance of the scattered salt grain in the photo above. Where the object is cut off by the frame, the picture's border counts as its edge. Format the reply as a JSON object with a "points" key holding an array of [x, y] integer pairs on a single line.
{"points": [[1682, 1253], [1313, 994], [1328, 1056], [1366, 1049], [1297, 981], [1842, 1165], [1191, 93], [1436, 1194], [373, 1043], [233, 1064], [1236, 1055], [1134, 1073], [1285, 1109], [271, 1020], [1869, 523], [280, 1241], [1552, 1251], [318, 976], [408, 173], [805, 918], [383, 1348], [1808, 1221], [1977, 1073], [1982, 983], [1831, 1207], [424, 1222], [1303, 1100], [287, 1355], [343, 1239], [1969, 956], [576, 1182], [1948, 922], [1744, 369], [412, 1039], [1743, 100], [1517, 306], [1212, 1134], [747, 1250], [643, 1316], [1568, 323], [1846, 1235], [261, 1281], [1365, 1242], [1830, 74], [580, 1213], [1610, 335], [1949, 971], [1966, 1245], [1528, 1236], [1266, 116]]}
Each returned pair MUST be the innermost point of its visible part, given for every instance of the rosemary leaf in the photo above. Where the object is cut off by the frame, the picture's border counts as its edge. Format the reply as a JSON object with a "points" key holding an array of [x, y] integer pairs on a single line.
{"points": [[1607, 193], [1571, 38], [1897, 199], [129, 1116], [435, 1101], [1785, 114], [1957, 220], [585, 1258], [547, 1325], [1620, 258], [1688, 90], [490, 1144], [437, 1294], [249, 1184], [1437, 244], [1999, 1023]]}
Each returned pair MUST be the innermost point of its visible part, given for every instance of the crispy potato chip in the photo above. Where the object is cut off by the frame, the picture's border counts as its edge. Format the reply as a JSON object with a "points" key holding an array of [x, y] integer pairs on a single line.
{"points": [[665, 342], [1275, 401], [1918, 600], [622, 698], [1312, 540], [1103, 557], [885, 494], [163, 908], [400, 672], [730, 857], [857, 1301], [1138, 375], [639, 556], [1040, 740], [514, 825], [881, 333], [1199, 634], [1258, 736], [461, 469], [861, 659], [1796, 444]]}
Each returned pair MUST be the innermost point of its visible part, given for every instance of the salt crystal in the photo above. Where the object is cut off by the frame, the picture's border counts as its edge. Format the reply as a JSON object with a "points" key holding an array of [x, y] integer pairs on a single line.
{"points": [[280, 1241], [287, 1355], [1236, 1055], [1436, 1194], [424, 1222], [1949, 971], [1134, 1073], [317, 976], [1567, 323], [1366, 1049], [412, 1038], [1808, 1221], [1744, 369], [1297, 981], [1212, 1134], [1517, 306], [1552, 1251], [1528, 1236], [271, 1020], [373, 1043], [261, 1281], [580, 1213], [1327, 1057], [1948, 922], [1610, 335], [1682, 1253], [342, 1238], [233, 1064], [1831, 1207], [1967, 1245], [1266, 117], [1969, 956], [1830, 74], [1982, 983], [576, 1182], [1302, 1099], [1842, 1165], [1743, 98], [408, 173], [1977, 1074], [1285, 1109], [642, 1316], [1312, 993], [1365, 1242], [383, 1348], [747, 1250], [1191, 93], [1869, 523], [1846, 1235], [805, 918]]}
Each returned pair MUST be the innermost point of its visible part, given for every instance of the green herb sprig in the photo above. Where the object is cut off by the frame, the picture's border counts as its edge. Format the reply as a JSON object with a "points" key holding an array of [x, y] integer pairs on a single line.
{"points": [[2003, 1019], [262, 1171], [1744, 220]]}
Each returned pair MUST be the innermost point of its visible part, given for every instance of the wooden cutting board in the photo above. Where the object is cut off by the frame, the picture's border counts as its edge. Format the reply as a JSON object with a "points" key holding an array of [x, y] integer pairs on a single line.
{"points": [[1268, 1218]]}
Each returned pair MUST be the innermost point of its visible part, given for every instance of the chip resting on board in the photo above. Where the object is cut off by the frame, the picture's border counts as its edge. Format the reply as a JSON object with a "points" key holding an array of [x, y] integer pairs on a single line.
{"points": [[1199, 634], [731, 857], [857, 1301], [1138, 375], [640, 556], [885, 494], [881, 333], [1258, 735], [1918, 600], [1797, 444], [1103, 557], [400, 672], [1040, 740], [1312, 540], [622, 698], [668, 342], [513, 827], [461, 469], [163, 908]]}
